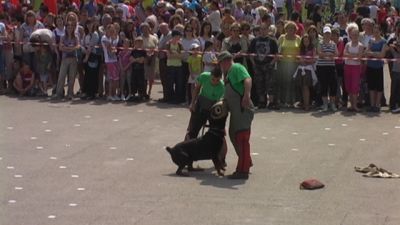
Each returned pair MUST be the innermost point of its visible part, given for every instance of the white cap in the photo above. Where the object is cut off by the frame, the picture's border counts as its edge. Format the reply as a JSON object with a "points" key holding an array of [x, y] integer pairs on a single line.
{"points": [[327, 30], [194, 45]]}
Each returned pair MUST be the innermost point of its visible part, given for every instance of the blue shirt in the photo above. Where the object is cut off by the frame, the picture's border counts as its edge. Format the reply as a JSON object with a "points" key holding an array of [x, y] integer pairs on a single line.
{"points": [[376, 47]]}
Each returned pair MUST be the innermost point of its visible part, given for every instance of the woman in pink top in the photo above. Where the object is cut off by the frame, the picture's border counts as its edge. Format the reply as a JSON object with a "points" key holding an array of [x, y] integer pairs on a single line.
{"points": [[352, 67]]}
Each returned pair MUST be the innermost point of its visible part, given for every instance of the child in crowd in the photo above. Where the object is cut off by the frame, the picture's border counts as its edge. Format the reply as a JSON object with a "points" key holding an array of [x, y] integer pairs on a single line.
{"points": [[25, 79], [137, 60], [126, 69], [209, 57], [326, 70], [109, 43], [195, 66], [44, 62], [305, 74]]}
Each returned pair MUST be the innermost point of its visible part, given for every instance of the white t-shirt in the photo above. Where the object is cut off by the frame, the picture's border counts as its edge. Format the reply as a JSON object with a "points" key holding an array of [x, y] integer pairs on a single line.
{"points": [[2, 32], [215, 19], [373, 11], [109, 57], [280, 3], [126, 14]]}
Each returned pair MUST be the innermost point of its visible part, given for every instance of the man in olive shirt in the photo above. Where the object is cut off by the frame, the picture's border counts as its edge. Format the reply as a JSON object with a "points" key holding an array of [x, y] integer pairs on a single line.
{"points": [[237, 95]]}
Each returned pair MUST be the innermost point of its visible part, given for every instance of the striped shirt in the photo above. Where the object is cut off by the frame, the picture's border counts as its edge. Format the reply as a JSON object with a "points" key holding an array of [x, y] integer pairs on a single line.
{"points": [[327, 48]]}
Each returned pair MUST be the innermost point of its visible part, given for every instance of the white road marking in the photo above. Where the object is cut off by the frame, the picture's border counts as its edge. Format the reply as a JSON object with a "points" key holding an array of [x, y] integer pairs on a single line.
{"points": [[18, 188]]}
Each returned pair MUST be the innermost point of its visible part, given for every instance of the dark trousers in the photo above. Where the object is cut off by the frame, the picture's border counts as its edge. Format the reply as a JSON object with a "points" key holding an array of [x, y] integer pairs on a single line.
{"points": [[328, 80], [91, 80], [175, 84], [138, 82], [163, 76], [394, 89], [186, 87]]}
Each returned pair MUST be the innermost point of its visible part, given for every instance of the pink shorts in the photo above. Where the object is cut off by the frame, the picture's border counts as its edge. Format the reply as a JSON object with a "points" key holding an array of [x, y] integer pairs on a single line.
{"points": [[113, 71], [352, 75]]}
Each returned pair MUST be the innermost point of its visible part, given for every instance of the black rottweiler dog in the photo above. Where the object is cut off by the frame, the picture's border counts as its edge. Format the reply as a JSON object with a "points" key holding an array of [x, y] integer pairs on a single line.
{"points": [[209, 146]]}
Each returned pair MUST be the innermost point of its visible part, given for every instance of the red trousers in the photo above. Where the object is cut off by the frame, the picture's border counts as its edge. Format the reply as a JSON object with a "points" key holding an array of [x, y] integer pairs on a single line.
{"points": [[242, 140]]}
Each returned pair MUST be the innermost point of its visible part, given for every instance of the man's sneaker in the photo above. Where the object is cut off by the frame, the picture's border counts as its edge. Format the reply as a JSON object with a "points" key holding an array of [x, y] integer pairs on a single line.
{"points": [[128, 97], [324, 107], [333, 107], [395, 110], [123, 98], [239, 176]]}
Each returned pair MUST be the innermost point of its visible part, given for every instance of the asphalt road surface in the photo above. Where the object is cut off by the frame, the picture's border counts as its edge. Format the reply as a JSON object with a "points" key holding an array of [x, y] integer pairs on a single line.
{"points": [[79, 163]]}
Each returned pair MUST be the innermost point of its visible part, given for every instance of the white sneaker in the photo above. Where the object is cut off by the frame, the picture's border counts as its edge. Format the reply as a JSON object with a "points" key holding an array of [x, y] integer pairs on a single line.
{"points": [[333, 107], [396, 110]]}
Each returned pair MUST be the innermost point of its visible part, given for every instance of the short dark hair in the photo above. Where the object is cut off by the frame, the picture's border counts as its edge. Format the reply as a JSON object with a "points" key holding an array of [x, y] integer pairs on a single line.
{"points": [[216, 72]]}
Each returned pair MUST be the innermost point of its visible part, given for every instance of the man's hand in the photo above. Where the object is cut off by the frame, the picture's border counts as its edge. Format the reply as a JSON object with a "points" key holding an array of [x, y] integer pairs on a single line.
{"points": [[246, 102]]}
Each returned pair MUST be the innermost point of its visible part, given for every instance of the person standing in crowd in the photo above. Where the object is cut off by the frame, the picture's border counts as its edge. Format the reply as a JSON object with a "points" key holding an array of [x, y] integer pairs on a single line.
{"points": [[109, 43], [138, 60], [162, 57], [235, 44], [150, 43], [3, 37], [326, 70], [195, 65], [124, 57], [30, 25], [374, 73], [305, 74], [393, 46], [237, 95], [205, 34], [91, 60], [175, 78], [263, 65], [187, 41], [209, 57], [214, 17], [352, 67], [341, 95], [69, 44], [289, 45]]}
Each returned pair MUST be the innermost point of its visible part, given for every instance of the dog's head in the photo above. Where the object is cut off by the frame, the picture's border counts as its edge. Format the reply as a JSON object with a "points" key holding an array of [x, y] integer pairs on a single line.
{"points": [[218, 115]]}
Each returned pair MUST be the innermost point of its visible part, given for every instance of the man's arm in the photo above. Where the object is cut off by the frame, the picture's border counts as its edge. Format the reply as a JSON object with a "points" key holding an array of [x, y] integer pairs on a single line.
{"points": [[246, 95]]}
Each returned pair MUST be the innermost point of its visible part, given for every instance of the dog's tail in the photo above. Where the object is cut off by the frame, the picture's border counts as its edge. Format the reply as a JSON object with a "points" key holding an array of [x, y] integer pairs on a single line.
{"points": [[168, 149]]}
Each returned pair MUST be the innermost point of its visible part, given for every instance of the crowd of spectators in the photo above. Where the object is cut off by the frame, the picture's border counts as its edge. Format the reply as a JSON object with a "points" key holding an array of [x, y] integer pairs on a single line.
{"points": [[325, 54]]}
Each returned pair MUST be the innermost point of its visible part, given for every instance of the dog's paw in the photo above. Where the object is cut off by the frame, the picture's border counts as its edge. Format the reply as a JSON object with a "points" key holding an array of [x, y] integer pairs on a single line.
{"points": [[182, 174]]}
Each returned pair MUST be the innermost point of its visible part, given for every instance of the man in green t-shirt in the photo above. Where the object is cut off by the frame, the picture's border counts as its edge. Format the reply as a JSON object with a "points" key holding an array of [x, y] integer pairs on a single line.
{"points": [[237, 95], [209, 89]]}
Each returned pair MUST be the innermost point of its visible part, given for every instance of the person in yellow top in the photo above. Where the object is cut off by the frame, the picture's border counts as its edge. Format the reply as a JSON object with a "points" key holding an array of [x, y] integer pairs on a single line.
{"points": [[289, 48], [195, 66]]}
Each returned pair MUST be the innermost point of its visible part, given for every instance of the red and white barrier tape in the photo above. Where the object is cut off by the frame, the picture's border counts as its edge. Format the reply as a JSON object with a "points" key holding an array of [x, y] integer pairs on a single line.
{"points": [[238, 54]]}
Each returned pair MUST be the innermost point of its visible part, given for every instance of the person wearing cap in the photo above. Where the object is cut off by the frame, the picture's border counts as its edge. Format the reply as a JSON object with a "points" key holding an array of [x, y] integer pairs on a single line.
{"points": [[326, 70], [195, 65], [237, 95], [150, 43]]}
